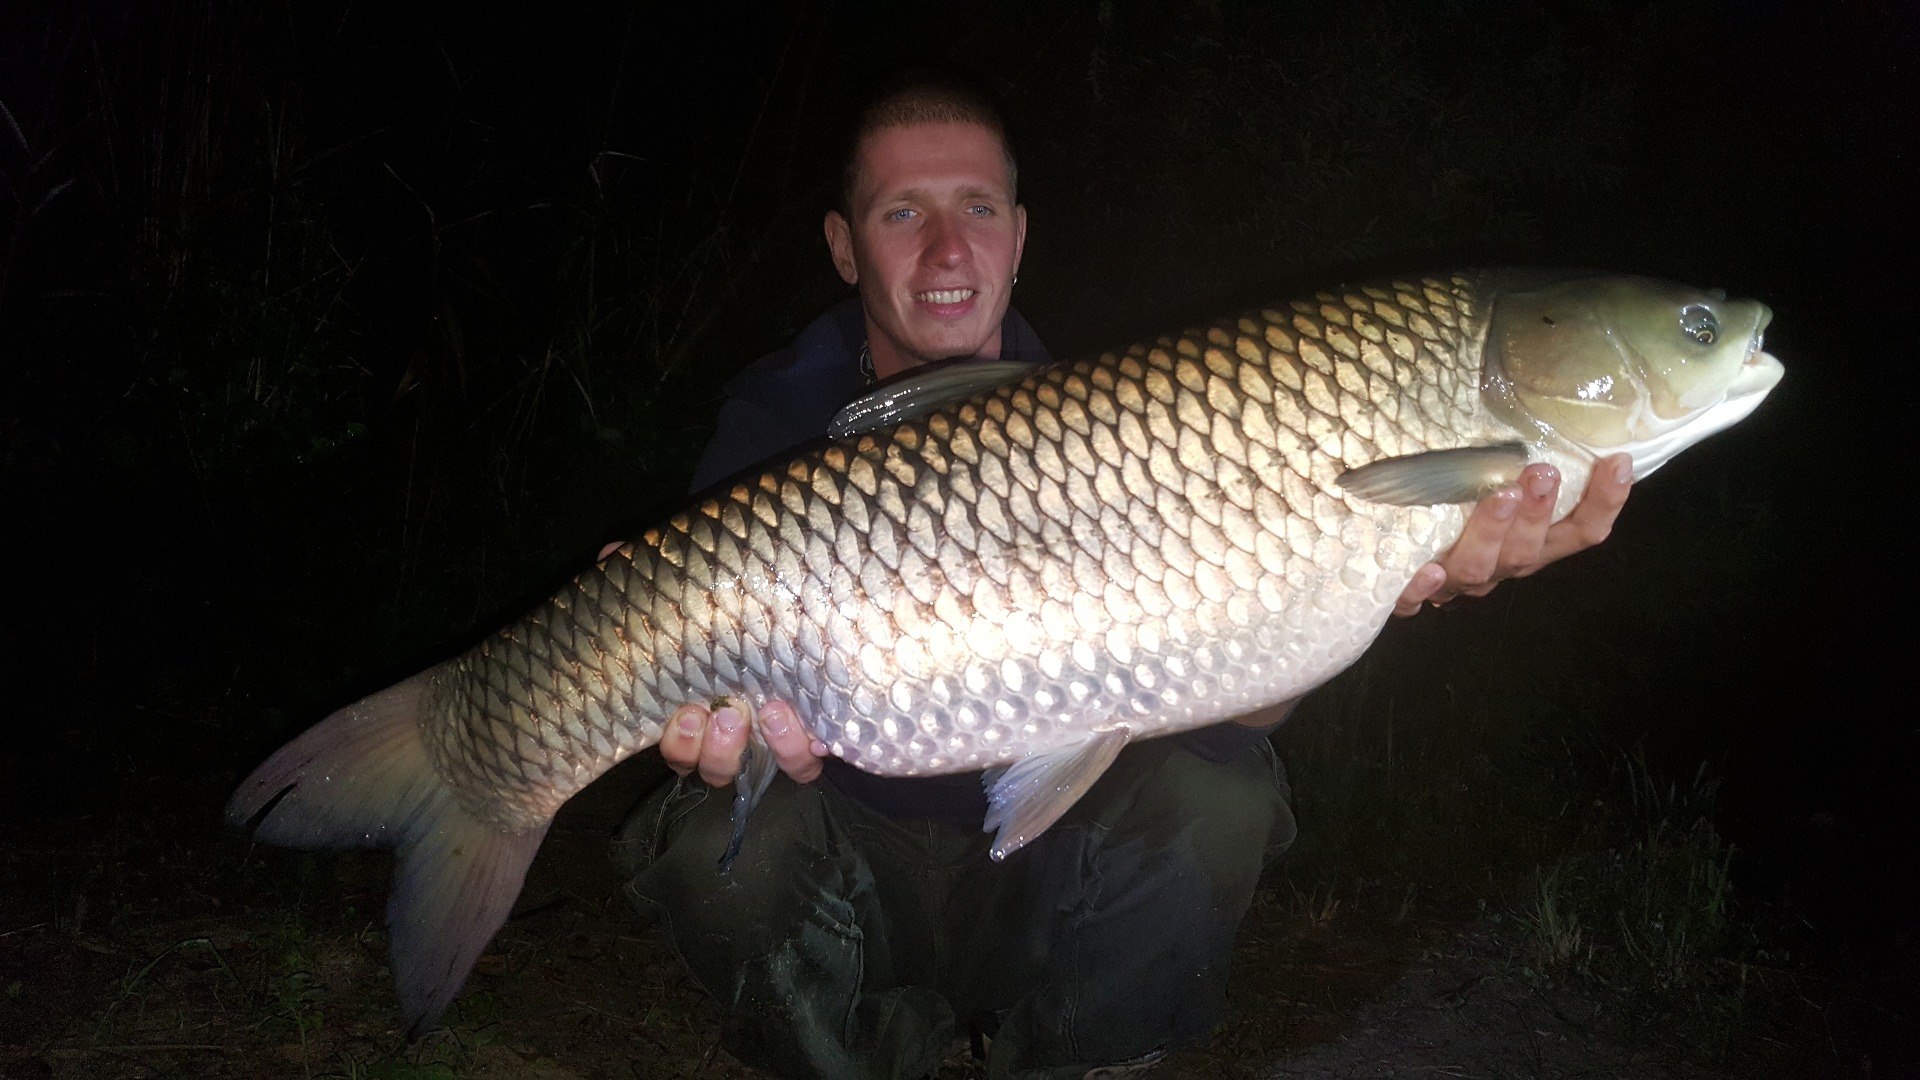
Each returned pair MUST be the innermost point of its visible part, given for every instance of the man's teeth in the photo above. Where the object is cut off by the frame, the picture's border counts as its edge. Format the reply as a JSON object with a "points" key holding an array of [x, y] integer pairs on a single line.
{"points": [[943, 296]]}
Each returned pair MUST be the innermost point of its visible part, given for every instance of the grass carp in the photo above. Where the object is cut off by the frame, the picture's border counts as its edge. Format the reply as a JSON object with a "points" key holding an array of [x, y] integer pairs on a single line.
{"points": [[1021, 577]]}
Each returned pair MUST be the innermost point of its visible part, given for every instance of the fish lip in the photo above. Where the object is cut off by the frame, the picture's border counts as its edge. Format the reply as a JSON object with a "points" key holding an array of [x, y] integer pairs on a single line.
{"points": [[1761, 372]]}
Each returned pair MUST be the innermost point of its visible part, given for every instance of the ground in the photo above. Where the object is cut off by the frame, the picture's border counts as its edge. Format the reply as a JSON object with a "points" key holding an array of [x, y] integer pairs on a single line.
{"points": [[139, 936]]}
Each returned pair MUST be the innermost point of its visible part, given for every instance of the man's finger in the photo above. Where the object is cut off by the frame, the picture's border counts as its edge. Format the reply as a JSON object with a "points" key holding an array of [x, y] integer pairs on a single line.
{"points": [[680, 742], [1592, 518], [790, 742], [1520, 551], [725, 740], [1471, 561], [1426, 581]]}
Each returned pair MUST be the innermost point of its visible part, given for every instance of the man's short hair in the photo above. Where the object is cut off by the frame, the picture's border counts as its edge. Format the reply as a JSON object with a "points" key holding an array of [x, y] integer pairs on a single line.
{"points": [[921, 95]]}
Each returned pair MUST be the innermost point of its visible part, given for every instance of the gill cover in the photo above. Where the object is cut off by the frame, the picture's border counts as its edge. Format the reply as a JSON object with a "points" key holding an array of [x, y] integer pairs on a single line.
{"points": [[1603, 364]]}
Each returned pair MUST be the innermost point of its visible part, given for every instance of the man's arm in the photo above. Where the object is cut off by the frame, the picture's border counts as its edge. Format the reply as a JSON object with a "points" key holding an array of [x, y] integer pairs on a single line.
{"points": [[1511, 533]]}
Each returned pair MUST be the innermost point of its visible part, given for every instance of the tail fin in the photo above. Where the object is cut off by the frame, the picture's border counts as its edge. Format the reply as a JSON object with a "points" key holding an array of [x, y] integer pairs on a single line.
{"points": [[361, 778]]}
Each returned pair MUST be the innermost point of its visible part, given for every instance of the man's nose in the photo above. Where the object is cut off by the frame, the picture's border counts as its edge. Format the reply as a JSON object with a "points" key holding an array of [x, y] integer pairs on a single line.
{"points": [[945, 245]]}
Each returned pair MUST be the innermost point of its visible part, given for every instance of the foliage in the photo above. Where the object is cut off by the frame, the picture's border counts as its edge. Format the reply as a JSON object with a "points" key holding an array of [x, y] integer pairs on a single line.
{"points": [[1651, 908]]}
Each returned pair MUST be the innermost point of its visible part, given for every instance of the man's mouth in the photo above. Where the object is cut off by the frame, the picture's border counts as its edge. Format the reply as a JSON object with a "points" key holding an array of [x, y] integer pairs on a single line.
{"points": [[944, 296]]}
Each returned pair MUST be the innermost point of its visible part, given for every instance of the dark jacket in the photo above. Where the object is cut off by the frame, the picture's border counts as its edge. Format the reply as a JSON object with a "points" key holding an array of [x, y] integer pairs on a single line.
{"points": [[786, 399]]}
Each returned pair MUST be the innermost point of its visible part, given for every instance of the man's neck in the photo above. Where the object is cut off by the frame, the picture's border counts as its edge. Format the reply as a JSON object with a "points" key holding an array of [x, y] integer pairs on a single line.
{"points": [[890, 360]]}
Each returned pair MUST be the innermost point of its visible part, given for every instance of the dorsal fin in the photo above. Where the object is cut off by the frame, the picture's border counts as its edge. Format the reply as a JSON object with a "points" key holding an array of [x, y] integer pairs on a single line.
{"points": [[922, 392]]}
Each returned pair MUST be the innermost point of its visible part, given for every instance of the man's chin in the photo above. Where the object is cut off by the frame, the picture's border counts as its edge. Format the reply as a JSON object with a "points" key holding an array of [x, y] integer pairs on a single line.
{"points": [[953, 355], [954, 343]]}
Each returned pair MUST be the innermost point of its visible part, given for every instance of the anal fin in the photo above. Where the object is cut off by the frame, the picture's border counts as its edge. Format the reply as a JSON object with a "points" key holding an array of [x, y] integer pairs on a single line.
{"points": [[1028, 796], [757, 770]]}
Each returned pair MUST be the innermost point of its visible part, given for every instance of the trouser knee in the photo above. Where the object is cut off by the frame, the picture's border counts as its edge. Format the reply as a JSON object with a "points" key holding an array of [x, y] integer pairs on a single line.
{"points": [[1231, 817], [669, 851], [786, 938], [1144, 887]]}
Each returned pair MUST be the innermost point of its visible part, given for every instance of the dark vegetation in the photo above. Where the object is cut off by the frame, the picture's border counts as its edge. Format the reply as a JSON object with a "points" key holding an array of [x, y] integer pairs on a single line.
{"points": [[330, 334]]}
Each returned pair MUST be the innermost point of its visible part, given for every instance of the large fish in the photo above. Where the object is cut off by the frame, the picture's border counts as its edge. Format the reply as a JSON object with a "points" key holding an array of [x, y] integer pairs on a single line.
{"points": [[1024, 580]]}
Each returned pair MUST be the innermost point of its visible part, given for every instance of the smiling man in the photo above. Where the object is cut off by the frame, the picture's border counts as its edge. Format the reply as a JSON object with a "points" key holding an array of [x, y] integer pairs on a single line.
{"points": [[863, 926], [931, 236]]}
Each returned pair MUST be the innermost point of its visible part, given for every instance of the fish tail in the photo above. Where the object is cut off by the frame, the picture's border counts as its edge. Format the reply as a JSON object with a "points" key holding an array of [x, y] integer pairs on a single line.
{"points": [[362, 778]]}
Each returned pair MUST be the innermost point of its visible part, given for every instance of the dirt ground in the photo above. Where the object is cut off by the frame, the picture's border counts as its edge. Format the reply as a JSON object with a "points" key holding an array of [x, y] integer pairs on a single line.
{"points": [[139, 937]]}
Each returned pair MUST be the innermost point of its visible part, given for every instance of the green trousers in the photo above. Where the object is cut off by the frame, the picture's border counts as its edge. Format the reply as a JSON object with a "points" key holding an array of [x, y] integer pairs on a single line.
{"points": [[845, 944]]}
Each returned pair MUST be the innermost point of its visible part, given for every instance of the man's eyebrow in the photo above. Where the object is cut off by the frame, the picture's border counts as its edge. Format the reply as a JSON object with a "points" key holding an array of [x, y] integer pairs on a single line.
{"points": [[985, 193], [975, 192]]}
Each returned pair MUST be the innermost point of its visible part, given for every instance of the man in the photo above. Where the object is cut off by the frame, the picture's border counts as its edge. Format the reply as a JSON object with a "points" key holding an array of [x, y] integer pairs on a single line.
{"points": [[863, 925]]}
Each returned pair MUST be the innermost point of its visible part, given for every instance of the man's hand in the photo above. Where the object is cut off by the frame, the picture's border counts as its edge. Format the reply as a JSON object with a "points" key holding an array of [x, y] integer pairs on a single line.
{"points": [[712, 741], [1509, 533]]}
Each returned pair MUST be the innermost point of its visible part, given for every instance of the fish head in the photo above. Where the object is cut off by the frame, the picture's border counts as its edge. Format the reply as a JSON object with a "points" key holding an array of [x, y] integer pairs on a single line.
{"points": [[1605, 364]]}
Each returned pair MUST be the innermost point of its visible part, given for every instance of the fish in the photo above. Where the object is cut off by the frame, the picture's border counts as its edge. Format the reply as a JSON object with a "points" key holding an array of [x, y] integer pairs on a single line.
{"points": [[1020, 570]]}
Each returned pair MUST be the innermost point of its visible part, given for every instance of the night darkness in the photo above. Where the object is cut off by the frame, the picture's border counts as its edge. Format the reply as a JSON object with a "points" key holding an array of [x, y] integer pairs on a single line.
{"points": [[333, 334]]}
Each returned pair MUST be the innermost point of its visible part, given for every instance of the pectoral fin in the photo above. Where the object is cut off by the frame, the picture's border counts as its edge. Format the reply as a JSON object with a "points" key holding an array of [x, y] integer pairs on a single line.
{"points": [[924, 392], [1027, 796], [1437, 476]]}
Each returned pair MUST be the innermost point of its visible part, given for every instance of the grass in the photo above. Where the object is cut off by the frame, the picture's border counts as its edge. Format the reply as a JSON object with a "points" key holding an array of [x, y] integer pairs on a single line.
{"points": [[1316, 907], [1517, 784], [1643, 909]]}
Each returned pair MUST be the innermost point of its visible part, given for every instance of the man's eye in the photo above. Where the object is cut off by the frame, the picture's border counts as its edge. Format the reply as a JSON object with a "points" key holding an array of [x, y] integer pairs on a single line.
{"points": [[901, 214], [980, 210]]}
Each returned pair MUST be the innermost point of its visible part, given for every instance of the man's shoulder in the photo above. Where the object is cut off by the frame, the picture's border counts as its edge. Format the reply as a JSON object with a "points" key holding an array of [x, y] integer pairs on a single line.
{"points": [[822, 359], [1019, 342], [786, 397]]}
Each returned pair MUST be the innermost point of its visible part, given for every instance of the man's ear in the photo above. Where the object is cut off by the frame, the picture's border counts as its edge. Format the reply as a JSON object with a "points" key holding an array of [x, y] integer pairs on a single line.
{"points": [[840, 243], [1019, 236]]}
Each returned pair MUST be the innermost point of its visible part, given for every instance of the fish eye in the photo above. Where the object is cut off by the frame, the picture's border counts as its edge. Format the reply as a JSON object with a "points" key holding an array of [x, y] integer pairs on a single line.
{"points": [[1699, 324]]}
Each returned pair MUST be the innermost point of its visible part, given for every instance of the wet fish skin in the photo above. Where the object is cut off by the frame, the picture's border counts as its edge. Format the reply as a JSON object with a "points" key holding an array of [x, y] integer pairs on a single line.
{"points": [[1116, 548], [1153, 536]]}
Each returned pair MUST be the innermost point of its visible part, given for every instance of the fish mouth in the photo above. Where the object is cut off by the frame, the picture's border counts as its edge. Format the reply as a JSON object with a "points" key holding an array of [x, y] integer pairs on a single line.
{"points": [[1761, 370], [1758, 375]]}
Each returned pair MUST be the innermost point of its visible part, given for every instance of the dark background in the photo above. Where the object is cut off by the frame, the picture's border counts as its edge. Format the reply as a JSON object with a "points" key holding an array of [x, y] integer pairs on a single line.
{"points": [[331, 334]]}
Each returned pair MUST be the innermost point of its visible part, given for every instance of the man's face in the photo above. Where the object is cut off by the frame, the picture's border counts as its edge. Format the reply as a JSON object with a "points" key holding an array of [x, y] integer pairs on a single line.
{"points": [[933, 243]]}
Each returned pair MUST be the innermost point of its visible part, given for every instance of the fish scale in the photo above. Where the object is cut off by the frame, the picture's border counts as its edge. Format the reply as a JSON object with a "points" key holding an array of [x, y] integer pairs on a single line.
{"points": [[1122, 547], [982, 547]]}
